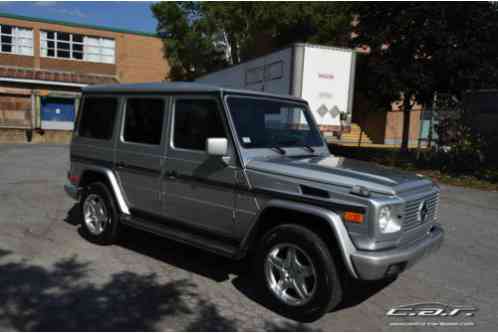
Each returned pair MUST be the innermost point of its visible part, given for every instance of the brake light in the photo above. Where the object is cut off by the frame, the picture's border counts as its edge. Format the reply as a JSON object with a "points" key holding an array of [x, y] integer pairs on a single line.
{"points": [[73, 179]]}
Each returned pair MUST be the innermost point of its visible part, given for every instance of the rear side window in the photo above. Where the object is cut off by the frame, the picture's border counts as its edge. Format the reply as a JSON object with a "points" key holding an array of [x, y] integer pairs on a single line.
{"points": [[97, 118], [195, 121], [144, 120]]}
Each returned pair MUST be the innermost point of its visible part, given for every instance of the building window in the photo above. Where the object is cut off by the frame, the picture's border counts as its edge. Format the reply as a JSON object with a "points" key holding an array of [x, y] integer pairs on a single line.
{"points": [[16, 40], [66, 45]]}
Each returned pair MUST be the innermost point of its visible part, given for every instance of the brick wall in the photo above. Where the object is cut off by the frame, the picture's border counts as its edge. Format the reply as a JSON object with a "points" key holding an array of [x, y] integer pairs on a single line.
{"points": [[135, 62], [386, 126], [394, 125], [15, 108], [139, 58]]}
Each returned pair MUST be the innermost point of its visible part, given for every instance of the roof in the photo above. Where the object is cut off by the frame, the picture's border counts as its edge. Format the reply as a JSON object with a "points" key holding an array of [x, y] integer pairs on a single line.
{"points": [[176, 87], [80, 25]]}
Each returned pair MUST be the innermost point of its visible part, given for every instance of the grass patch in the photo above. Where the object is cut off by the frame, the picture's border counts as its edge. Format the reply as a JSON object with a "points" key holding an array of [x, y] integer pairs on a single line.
{"points": [[484, 178]]}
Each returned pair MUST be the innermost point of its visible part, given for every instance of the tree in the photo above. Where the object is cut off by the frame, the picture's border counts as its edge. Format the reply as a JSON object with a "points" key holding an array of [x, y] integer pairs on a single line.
{"points": [[418, 49], [188, 44], [190, 31]]}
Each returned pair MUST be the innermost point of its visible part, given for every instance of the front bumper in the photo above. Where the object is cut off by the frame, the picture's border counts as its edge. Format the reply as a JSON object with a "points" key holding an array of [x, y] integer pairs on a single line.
{"points": [[378, 265], [72, 190]]}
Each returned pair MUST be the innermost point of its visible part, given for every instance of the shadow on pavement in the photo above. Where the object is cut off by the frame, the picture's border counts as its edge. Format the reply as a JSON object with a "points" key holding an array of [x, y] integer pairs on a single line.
{"points": [[219, 269], [63, 298]]}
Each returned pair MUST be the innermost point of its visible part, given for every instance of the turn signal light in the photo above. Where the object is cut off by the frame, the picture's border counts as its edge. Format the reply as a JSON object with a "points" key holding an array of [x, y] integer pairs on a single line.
{"points": [[353, 217]]}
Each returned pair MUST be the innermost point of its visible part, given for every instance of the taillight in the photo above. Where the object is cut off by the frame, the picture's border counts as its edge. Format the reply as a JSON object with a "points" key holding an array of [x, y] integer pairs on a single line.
{"points": [[73, 179]]}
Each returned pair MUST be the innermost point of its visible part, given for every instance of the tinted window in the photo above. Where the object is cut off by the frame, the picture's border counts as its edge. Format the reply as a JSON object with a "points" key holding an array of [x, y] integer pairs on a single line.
{"points": [[195, 121], [97, 118], [144, 120]]}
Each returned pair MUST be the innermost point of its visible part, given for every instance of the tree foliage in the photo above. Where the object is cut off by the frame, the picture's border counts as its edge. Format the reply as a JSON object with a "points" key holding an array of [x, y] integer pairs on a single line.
{"points": [[190, 29], [416, 48], [419, 48]]}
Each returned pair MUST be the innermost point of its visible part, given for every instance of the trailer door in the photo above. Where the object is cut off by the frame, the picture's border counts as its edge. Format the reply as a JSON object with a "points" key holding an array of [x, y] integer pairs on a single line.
{"points": [[328, 82]]}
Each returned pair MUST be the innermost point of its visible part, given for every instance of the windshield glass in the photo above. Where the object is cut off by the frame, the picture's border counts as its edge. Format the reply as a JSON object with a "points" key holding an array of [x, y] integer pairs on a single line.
{"points": [[265, 123]]}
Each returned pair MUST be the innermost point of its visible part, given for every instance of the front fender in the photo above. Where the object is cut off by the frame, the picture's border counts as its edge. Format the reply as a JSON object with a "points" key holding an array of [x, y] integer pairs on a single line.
{"points": [[333, 220]]}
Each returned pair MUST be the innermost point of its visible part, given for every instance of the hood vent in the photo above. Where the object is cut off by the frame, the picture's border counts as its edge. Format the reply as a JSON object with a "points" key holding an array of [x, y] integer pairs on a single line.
{"points": [[314, 192]]}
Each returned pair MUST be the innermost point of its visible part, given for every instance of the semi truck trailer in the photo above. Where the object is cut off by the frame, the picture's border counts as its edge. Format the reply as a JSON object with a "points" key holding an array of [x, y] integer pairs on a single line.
{"points": [[322, 75]]}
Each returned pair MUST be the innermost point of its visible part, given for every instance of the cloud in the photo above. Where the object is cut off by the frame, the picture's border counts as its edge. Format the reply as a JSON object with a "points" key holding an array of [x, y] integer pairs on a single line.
{"points": [[71, 12], [45, 3], [54, 7]]}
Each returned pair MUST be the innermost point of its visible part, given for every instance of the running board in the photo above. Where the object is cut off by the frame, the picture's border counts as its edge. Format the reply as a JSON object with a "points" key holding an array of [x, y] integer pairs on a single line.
{"points": [[171, 231]]}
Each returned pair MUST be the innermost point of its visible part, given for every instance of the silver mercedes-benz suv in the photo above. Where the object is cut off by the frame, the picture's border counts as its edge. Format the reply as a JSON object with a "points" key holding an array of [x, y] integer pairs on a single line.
{"points": [[246, 174]]}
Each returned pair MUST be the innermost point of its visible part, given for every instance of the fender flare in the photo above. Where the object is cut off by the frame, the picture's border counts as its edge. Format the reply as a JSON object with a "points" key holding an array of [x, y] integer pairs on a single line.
{"points": [[115, 187], [332, 219]]}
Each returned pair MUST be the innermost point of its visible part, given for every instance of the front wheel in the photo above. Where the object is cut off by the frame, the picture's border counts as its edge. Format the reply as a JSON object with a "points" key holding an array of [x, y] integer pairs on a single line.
{"points": [[298, 273]]}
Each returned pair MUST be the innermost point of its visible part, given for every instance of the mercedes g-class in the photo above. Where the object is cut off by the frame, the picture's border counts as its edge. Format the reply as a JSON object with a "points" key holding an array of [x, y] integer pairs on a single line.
{"points": [[246, 174]]}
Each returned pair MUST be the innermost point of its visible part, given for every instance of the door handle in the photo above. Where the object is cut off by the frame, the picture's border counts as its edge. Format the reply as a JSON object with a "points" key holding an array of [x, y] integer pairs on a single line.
{"points": [[171, 174], [120, 165]]}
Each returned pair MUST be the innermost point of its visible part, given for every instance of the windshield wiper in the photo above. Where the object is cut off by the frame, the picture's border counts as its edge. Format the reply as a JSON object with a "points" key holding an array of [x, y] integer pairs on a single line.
{"points": [[279, 150]]}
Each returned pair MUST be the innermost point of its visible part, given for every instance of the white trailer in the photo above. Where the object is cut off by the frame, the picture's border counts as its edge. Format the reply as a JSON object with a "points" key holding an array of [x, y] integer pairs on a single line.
{"points": [[322, 75]]}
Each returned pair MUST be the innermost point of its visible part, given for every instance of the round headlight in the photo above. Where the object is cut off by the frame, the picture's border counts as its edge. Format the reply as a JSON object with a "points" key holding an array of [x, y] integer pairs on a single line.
{"points": [[388, 223]]}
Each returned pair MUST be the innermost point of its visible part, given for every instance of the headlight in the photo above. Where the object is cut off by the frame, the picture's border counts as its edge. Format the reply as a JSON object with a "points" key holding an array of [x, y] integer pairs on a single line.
{"points": [[387, 222]]}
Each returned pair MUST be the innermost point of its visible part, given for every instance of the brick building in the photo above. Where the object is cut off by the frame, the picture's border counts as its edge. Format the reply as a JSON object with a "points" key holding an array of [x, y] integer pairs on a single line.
{"points": [[384, 127], [44, 63]]}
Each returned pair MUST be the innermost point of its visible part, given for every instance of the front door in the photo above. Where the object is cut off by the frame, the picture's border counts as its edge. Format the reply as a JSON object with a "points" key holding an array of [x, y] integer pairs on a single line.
{"points": [[199, 190], [139, 153]]}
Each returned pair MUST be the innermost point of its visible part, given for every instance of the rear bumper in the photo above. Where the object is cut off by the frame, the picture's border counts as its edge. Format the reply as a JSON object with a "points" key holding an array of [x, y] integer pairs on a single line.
{"points": [[72, 191], [378, 265]]}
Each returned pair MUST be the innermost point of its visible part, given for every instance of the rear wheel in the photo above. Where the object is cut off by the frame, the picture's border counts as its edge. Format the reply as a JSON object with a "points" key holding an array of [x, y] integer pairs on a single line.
{"points": [[99, 213], [297, 273]]}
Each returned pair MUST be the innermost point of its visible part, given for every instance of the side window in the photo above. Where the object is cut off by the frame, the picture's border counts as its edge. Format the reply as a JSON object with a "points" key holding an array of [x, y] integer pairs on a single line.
{"points": [[97, 118], [143, 120], [195, 121]]}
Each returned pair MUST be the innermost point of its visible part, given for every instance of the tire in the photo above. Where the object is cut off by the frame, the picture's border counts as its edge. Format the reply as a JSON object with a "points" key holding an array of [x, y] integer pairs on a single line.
{"points": [[99, 195], [322, 292]]}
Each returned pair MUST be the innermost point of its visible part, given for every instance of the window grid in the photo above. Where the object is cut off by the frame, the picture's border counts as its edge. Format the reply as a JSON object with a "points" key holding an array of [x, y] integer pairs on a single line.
{"points": [[16, 47], [99, 55]]}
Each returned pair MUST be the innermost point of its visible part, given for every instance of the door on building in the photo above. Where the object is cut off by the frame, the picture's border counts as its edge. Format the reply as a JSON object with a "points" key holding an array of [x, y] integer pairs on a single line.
{"points": [[57, 113]]}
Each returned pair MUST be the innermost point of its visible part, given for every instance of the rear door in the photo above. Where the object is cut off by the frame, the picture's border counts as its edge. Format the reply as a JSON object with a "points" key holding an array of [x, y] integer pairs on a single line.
{"points": [[139, 152], [94, 138]]}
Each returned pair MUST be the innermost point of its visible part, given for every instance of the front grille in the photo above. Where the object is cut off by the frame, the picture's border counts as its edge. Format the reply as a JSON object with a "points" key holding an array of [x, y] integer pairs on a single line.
{"points": [[411, 219]]}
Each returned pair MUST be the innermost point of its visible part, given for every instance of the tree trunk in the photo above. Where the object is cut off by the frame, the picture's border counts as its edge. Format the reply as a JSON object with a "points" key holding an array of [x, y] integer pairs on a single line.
{"points": [[406, 124]]}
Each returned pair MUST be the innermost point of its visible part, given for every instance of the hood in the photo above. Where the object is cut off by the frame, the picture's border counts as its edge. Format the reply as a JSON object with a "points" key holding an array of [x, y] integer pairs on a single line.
{"points": [[341, 171]]}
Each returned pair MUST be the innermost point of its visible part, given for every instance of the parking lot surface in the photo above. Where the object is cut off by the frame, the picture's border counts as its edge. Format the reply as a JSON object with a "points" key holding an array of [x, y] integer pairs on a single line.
{"points": [[51, 278]]}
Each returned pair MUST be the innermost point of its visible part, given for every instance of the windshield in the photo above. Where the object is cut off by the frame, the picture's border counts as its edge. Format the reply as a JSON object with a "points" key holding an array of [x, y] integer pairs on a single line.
{"points": [[265, 123]]}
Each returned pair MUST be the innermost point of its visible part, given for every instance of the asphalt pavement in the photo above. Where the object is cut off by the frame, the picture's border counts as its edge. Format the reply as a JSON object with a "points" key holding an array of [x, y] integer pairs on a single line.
{"points": [[51, 278]]}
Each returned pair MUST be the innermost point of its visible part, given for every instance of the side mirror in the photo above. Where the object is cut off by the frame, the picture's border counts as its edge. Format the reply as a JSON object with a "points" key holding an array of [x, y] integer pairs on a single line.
{"points": [[217, 146]]}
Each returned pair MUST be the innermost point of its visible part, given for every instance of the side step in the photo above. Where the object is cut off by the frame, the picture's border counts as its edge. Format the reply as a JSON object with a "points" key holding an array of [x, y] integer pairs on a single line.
{"points": [[227, 248]]}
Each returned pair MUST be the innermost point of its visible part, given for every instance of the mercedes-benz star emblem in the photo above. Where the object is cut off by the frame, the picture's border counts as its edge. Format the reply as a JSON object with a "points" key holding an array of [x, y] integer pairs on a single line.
{"points": [[423, 212]]}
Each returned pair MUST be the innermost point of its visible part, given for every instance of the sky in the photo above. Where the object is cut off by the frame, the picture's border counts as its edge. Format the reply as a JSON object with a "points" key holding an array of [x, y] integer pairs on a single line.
{"points": [[121, 14]]}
